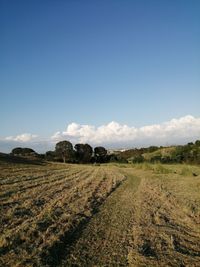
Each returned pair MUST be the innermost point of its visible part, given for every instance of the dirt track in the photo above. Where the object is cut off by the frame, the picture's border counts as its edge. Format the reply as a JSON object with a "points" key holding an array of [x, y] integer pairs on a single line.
{"points": [[105, 240], [140, 224]]}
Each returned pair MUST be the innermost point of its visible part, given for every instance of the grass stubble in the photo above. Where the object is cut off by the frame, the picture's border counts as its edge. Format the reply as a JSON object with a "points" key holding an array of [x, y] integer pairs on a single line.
{"points": [[78, 215]]}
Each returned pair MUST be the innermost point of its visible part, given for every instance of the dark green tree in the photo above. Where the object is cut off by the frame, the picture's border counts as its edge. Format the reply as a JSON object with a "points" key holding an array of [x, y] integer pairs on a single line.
{"points": [[197, 143], [23, 151], [50, 155], [83, 153], [64, 150], [100, 154]]}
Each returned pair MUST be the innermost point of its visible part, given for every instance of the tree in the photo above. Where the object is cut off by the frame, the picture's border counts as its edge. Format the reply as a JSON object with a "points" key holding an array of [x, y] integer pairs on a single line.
{"points": [[64, 150], [197, 143], [23, 151], [83, 153], [100, 154], [50, 155]]}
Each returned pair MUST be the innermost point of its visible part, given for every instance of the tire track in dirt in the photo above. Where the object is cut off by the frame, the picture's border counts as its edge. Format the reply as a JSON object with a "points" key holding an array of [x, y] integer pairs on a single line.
{"points": [[105, 240]]}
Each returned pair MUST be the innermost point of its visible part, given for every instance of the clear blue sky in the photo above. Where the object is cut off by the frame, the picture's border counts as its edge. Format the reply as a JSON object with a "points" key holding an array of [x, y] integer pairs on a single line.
{"points": [[92, 62]]}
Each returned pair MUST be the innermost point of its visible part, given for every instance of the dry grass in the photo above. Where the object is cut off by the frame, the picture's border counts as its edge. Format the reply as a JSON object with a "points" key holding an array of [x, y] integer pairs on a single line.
{"points": [[78, 215], [166, 231], [42, 206], [105, 240]]}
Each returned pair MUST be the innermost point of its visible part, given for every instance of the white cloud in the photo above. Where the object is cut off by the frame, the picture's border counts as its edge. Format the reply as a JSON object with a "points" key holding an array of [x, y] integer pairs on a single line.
{"points": [[25, 137], [39, 144], [114, 134]]}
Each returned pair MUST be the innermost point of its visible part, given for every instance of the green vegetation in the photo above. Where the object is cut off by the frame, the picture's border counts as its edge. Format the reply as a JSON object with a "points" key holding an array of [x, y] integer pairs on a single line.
{"points": [[189, 153], [64, 151], [18, 151], [84, 153]]}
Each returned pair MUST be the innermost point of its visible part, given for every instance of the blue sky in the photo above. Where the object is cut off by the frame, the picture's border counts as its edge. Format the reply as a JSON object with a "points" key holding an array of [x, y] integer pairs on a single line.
{"points": [[93, 62]]}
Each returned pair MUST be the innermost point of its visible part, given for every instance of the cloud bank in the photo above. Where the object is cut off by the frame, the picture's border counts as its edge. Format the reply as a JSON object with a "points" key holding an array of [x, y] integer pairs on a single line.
{"points": [[26, 137], [112, 135]]}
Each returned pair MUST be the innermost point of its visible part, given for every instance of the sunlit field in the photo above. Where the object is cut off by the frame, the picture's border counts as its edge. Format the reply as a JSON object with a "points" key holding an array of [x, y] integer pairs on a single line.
{"points": [[109, 215]]}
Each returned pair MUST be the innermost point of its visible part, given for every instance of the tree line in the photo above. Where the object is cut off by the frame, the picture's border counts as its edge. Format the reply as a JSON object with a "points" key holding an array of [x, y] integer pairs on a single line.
{"points": [[84, 153], [65, 152]]}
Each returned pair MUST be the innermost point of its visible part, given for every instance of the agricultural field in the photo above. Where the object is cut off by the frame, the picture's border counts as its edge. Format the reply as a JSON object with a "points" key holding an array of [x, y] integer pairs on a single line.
{"points": [[54, 214]]}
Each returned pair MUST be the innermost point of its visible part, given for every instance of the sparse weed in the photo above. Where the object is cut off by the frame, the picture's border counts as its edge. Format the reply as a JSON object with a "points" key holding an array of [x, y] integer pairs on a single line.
{"points": [[159, 168], [185, 171], [147, 166]]}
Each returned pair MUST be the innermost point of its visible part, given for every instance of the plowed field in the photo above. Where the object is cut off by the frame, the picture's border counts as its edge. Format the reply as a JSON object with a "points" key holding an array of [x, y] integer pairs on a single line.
{"points": [[82, 215]]}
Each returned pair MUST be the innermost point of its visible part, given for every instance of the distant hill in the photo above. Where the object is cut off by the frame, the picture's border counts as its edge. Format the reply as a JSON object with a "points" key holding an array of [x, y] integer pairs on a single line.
{"points": [[161, 152], [189, 153], [131, 153]]}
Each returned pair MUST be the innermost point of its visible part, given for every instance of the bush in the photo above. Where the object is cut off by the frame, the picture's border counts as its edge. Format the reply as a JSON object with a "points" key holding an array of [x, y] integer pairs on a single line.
{"points": [[23, 151], [137, 159]]}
